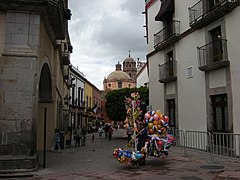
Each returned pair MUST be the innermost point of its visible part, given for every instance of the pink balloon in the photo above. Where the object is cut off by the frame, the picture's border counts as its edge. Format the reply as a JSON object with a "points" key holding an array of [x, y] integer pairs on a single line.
{"points": [[156, 117], [147, 116], [166, 118]]}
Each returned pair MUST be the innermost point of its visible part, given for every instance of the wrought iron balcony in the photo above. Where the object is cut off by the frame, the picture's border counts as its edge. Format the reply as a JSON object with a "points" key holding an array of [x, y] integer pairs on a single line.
{"points": [[167, 36], [168, 71], [213, 55], [207, 11]]}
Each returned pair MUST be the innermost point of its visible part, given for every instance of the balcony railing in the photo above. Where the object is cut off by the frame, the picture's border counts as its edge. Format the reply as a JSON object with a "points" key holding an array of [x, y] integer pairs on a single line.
{"points": [[213, 55], [167, 36], [168, 71], [205, 11]]}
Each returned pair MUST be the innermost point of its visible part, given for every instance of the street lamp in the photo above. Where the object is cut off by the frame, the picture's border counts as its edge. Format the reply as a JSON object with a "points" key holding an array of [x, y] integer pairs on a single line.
{"points": [[66, 99]]}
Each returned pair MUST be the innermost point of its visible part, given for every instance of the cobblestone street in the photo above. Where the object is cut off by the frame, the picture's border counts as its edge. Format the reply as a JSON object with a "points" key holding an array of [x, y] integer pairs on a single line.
{"points": [[95, 161]]}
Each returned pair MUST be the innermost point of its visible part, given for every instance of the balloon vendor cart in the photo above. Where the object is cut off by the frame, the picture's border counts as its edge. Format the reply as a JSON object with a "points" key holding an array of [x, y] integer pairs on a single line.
{"points": [[152, 140]]}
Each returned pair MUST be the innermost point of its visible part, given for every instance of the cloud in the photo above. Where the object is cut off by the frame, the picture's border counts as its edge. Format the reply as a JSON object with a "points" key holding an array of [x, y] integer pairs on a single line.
{"points": [[102, 32]]}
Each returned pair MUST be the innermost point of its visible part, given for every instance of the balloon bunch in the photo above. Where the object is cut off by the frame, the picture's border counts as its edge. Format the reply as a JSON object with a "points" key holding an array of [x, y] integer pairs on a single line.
{"points": [[128, 156], [159, 142], [156, 122], [153, 139], [157, 145]]}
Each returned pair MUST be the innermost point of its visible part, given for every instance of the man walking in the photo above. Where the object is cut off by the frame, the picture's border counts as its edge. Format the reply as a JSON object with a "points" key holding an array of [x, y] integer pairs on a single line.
{"points": [[78, 135], [84, 133]]}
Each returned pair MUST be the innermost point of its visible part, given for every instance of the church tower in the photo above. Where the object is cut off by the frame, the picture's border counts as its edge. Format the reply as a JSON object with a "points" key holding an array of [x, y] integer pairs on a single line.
{"points": [[129, 66]]}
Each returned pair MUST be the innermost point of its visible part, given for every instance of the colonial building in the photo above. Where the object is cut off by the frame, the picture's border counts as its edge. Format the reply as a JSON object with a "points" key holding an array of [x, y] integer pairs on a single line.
{"points": [[193, 60], [76, 98], [119, 78], [85, 107], [142, 76], [34, 71]]}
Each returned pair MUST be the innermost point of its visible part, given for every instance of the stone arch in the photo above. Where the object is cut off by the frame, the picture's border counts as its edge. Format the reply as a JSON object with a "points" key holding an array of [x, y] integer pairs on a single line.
{"points": [[45, 84]]}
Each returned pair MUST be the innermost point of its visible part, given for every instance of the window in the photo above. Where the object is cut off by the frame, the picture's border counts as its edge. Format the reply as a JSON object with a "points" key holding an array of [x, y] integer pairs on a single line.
{"points": [[170, 63], [87, 102], [213, 3], [78, 98], [220, 113], [189, 72], [171, 112], [82, 97], [119, 84], [217, 50]]}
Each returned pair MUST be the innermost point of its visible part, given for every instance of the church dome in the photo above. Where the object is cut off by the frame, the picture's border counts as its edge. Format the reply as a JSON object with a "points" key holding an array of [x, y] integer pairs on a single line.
{"points": [[129, 59], [118, 76]]}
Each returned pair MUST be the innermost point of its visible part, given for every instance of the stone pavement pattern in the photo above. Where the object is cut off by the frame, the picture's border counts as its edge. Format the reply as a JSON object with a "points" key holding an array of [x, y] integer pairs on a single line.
{"points": [[95, 161]]}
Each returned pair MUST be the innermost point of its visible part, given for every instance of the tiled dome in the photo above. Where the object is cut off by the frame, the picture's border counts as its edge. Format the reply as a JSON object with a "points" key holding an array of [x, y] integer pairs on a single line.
{"points": [[118, 75]]}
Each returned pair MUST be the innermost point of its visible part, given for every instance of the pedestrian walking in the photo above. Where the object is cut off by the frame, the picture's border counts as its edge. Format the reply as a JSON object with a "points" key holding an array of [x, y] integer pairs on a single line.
{"points": [[78, 136], [129, 132], [116, 127], [110, 132], [100, 131], [56, 142], [68, 136], [84, 134], [106, 129]]}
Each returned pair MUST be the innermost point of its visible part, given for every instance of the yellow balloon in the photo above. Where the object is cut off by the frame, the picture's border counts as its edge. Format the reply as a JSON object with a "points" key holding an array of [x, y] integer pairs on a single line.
{"points": [[158, 112], [150, 125], [164, 131], [155, 122]]}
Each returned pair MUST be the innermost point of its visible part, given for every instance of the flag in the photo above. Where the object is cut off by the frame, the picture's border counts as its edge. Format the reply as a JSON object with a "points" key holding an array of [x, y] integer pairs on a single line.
{"points": [[95, 108]]}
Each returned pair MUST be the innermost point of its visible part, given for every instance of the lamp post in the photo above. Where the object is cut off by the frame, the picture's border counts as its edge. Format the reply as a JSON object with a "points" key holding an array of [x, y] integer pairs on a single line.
{"points": [[66, 99]]}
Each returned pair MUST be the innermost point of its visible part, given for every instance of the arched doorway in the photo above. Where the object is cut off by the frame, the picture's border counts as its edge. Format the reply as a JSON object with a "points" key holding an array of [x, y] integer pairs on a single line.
{"points": [[45, 125], [45, 85]]}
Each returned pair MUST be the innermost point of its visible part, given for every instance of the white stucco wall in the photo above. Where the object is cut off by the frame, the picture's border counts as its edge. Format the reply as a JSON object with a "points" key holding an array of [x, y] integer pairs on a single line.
{"points": [[156, 91], [170, 88], [233, 40], [191, 91], [182, 13], [217, 78], [153, 26], [142, 77]]}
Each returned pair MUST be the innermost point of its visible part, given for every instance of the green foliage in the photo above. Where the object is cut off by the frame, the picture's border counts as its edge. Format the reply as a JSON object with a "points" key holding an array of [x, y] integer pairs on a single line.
{"points": [[115, 102]]}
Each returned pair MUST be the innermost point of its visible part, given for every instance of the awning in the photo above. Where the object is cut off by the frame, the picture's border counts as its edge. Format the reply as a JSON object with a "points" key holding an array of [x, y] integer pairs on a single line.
{"points": [[166, 6]]}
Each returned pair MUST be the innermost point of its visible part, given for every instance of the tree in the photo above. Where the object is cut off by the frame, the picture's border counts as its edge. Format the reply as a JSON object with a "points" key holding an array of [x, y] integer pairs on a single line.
{"points": [[115, 102]]}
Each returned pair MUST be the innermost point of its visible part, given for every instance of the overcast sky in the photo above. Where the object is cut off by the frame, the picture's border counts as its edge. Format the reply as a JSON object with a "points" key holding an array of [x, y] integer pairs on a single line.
{"points": [[102, 32]]}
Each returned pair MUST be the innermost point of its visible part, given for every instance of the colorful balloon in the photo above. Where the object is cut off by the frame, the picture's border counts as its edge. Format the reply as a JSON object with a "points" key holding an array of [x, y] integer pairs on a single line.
{"points": [[150, 125], [151, 119], [156, 117], [158, 112], [147, 116]]}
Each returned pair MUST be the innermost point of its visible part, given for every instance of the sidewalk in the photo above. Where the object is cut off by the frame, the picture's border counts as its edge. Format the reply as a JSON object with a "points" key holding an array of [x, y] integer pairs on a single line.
{"points": [[95, 161]]}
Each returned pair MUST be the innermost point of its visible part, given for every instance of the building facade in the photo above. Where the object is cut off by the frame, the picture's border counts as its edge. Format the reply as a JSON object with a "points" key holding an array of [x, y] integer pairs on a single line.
{"points": [[84, 101], [193, 62], [142, 76], [119, 78], [34, 60], [76, 99]]}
